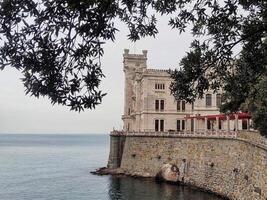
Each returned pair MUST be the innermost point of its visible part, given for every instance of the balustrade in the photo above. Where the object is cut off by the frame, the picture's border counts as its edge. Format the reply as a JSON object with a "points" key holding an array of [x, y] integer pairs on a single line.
{"points": [[200, 133]]}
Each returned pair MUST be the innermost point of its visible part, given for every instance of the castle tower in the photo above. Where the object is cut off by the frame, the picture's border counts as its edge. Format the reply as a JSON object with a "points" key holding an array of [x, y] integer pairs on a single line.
{"points": [[133, 67]]}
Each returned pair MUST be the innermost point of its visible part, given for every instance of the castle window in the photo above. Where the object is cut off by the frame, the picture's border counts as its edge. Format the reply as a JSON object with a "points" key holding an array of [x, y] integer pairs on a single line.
{"points": [[159, 125], [218, 100], [162, 125], [159, 86], [183, 124], [180, 105], [183, 105], [156, 125], [161, 104], [178, 125], [208, 100], [157, 104], [129, 111]]}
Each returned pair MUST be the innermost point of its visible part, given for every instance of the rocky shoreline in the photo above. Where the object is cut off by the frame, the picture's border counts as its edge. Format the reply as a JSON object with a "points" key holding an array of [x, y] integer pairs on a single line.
{"points": [[159, 178], [107, 171]]}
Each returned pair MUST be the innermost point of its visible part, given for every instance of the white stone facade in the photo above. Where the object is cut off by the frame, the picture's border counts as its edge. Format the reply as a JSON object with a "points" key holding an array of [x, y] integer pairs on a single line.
{"points": [[148, 104]]}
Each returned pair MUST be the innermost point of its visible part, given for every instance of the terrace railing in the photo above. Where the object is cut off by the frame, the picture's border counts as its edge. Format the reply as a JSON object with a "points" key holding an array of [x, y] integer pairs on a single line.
{"points": [[214, 134]]}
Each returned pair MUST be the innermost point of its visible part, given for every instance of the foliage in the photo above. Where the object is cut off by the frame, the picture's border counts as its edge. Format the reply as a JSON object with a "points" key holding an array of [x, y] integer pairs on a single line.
{"points": [[57, 45], [256, 103], [213, 63], [233, 56]]}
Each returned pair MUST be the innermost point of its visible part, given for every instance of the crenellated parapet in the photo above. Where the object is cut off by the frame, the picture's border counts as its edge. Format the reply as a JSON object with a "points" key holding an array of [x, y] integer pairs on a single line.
{"points": [[133, 62]]}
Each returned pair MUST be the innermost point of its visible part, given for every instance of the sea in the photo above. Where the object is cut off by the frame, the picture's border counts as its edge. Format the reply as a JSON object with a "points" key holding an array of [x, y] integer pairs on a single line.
{"points": [[57, 167]]}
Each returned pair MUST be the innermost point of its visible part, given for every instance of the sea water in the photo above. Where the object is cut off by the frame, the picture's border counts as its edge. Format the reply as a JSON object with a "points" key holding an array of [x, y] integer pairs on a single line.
{"points": [[57, 167]]}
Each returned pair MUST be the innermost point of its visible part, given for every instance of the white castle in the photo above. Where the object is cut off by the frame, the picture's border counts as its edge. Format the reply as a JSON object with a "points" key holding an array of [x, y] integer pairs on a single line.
{"points": [[189, 143], [149, 106]]}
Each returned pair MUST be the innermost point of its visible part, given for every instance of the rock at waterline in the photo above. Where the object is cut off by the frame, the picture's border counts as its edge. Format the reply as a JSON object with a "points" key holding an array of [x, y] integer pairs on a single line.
{"points": [[169, 173], [107, 171]]}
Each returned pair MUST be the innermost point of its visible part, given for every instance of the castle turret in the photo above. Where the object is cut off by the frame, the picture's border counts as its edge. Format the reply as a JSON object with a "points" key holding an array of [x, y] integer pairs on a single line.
{"points": [[133, 65]]}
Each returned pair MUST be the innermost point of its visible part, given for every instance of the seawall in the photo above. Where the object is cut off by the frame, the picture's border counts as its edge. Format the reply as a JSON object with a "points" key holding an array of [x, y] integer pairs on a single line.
{"points": [[116, 151], [234, 168]]}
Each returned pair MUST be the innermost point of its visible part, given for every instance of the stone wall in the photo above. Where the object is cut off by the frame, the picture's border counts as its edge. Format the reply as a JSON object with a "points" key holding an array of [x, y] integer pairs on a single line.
{"points": [[116, 150], [235, 169], [253, 137]]}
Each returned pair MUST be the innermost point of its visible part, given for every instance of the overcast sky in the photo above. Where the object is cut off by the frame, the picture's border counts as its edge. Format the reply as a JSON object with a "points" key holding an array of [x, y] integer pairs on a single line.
{"points": [[24, 114]]}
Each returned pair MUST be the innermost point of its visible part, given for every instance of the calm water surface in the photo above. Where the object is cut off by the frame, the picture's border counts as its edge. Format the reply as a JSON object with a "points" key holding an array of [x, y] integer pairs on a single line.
{"points": [[56, 167]]}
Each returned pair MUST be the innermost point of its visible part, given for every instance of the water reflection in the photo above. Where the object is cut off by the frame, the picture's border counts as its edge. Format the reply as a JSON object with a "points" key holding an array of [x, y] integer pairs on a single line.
{"points": [[127, 188]]}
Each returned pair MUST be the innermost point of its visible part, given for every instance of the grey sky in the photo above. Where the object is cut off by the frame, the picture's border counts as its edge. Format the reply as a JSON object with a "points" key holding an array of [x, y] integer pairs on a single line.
{"points": [[24, 114]]}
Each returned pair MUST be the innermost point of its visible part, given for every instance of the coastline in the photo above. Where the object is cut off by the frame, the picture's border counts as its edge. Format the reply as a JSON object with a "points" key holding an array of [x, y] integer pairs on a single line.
{"points": [[103, 171], [232, 168]]}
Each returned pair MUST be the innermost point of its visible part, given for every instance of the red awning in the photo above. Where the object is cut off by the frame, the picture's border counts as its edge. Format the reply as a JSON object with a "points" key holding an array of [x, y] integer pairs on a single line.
{"points": [[241, 115]]}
